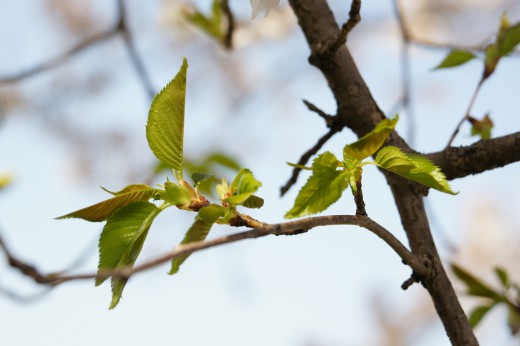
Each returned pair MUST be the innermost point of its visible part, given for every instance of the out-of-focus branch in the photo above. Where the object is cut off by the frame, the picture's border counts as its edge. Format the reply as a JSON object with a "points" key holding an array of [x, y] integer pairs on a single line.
{"points": [[346, 28], [121, 27], [228, 38], [286, 228], [484, 155]]}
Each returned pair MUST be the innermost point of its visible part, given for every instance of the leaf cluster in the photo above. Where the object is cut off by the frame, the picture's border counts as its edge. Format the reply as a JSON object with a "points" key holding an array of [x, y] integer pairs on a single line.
{"points": [[508, 294], [330, 176], [129, 214]]}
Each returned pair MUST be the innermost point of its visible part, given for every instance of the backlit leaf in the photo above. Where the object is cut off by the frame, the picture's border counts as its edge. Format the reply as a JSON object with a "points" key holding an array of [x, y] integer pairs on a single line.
{"points": [[455, 58], [414, 167], [205, 219], [165, 126], [175, 194], [491, 58], [102, 210], [212, 25], [372, 141], [243, 186], [122, 239], [324, 187], [502, 276]]}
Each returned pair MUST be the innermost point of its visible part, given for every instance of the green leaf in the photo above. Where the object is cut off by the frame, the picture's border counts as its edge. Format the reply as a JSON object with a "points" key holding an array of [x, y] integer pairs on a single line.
{"points": [[475, 287], [254, 202], [295, 165], [372, 141], [414, 167], [199, 177], [122, 240], [482, 127], [211, 25], [478, 314], [513, 319], [102, 210], [510, 40], [502, 276], [223, 160], [455, 58], [491, 58], [175, 195], [165, 126], [243, 187], [324, 187], [205, 219]]}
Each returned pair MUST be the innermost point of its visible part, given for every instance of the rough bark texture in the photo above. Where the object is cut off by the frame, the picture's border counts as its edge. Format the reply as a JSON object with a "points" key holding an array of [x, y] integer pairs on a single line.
{"points": [[358, 111]]}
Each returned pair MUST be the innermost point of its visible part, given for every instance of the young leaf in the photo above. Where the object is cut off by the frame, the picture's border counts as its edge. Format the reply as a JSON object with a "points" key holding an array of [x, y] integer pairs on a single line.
{"points": [[122, 239], [491, 58], [295, 165], [211, 25], [102, 210], [414, 167], [478, 314], [199, 177], [243, 186], [165, 126], [223, 160], [455, 58], [206, 217], [482, 127], [475, 286], [372, 141], [324, 187], [175, 195]]}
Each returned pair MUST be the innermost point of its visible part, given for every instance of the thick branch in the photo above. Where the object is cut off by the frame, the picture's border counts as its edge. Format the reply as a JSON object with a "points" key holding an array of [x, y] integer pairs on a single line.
{"points": [[359, 111], [458, 162]]}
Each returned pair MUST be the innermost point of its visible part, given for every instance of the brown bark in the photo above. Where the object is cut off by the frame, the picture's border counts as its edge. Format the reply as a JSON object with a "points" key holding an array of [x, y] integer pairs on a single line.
{"points": [[358, 111]]}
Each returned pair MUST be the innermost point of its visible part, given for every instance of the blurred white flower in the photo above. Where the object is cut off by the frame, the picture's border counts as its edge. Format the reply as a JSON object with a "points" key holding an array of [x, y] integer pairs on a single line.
{"points": [[263, 6]]}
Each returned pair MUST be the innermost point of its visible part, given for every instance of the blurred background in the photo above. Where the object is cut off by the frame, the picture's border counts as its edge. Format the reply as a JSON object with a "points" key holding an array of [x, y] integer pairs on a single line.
{"points": [[75, 89]]}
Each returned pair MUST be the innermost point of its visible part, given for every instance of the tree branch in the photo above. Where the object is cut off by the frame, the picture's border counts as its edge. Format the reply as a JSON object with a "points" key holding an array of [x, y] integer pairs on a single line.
{"points": [[484, 155], [358, 110], [286, 228]]}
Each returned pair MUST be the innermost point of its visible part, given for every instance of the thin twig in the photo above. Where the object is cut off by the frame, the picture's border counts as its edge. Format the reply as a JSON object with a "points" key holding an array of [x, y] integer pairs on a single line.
{"points": [[468, 111], [53, 62], [228, 38], [306, 156], [330, 120], [120, 27], [346, 28], [286, 228], [358, 199]]}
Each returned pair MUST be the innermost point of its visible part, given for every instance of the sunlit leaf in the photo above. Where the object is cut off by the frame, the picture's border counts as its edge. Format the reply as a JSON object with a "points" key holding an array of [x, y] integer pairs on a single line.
{"points": [[478, 314], [243, 186], [324, 187], [175, 194], [165, 126], [206, 217], [122, 239], [295, 165], [102, 210], [475, 287], [414, 167], [455, 58], [372, 141], [482, 127]]}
